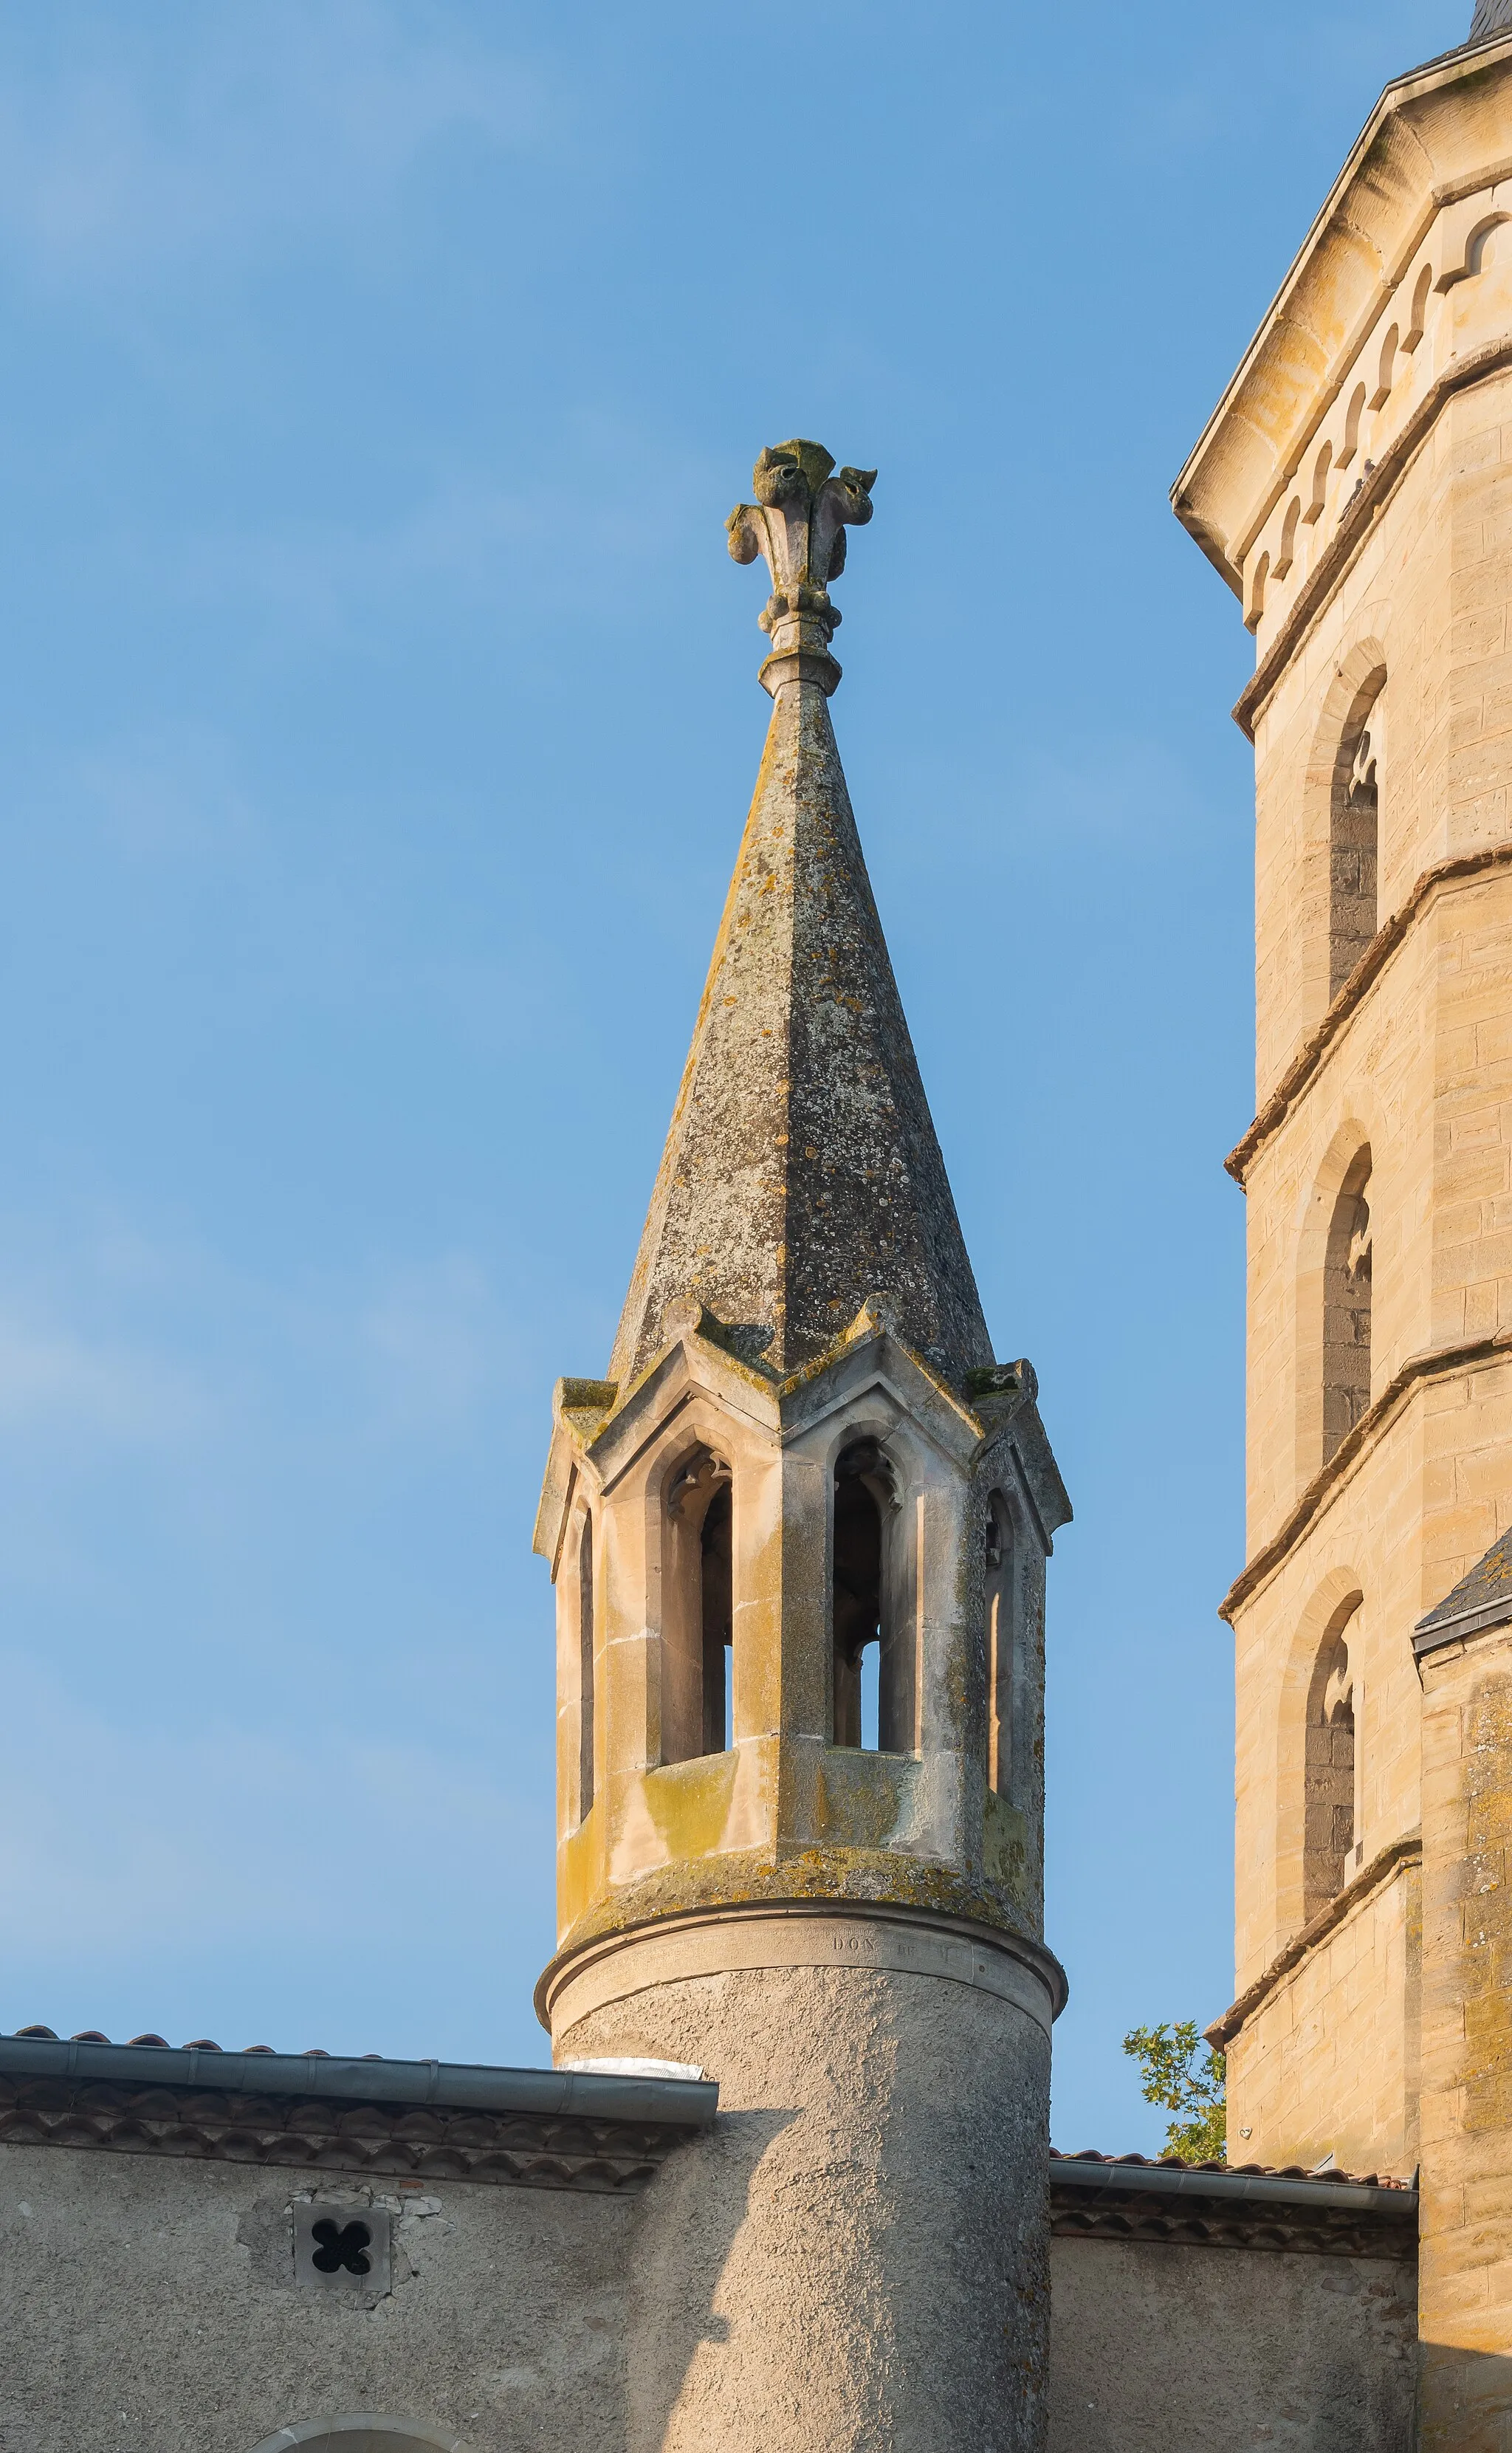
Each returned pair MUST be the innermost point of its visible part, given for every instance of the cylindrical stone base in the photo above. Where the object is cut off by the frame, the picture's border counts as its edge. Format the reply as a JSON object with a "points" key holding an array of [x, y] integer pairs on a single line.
{"points": [[856, 2257]]}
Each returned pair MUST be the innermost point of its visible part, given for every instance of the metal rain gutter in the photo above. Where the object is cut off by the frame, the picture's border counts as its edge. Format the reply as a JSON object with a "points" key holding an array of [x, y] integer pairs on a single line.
{"points": [[679, 2104], [1263, 2188]]}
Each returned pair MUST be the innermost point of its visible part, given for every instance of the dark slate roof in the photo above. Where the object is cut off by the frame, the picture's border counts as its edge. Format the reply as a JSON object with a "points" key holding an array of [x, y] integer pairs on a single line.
{"points": [[802, 1172], [1483, 1599], [1491, 18]]}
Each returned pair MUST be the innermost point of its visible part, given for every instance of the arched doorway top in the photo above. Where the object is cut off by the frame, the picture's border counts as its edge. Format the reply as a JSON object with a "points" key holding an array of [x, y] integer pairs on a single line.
{"points": [[364, 2432]]}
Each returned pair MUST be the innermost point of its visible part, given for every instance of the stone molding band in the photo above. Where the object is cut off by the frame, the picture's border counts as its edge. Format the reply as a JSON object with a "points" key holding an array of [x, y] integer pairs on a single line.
{"points": [[1407, 1851], [1356, 526], [872, 1940], [1441, 1363], [1383, 945]]}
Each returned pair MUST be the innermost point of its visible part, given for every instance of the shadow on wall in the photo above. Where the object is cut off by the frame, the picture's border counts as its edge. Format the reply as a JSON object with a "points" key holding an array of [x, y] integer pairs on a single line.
{"points": [[695, 2210], [1464, 2400]]}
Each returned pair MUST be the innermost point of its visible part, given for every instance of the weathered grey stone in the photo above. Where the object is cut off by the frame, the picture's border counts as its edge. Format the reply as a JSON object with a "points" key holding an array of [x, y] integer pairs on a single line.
{"points": [[802, 1173]]}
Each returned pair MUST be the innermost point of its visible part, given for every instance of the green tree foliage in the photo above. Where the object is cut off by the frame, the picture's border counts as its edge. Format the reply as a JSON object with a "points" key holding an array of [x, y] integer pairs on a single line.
{"points": [[1183, 2077]]}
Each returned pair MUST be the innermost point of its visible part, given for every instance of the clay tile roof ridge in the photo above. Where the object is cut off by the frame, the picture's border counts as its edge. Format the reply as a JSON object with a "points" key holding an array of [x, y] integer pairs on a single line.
{"points": [[1255, 2171]]}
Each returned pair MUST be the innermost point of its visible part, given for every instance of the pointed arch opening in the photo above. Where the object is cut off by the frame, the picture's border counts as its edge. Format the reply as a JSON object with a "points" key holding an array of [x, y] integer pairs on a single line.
{"points": [[586, 1667], [1352, 418], [1354, 835], [1329, 1812], [1348, 1307], [1416, 322], [1004, 1647], [872, 1637], [1386, 369], [698, 1609]]}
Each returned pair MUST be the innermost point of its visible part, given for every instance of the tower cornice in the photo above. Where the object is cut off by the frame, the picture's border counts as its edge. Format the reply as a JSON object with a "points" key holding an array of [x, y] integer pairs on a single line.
{"points": [[1436, 137]]}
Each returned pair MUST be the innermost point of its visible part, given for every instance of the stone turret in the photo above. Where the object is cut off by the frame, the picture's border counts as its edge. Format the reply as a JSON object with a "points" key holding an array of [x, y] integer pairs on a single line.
{"points": [[798, 1538]]}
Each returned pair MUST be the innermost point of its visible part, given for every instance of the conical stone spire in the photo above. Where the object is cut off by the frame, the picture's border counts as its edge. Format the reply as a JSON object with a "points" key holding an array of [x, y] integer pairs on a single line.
{"points": [[802, 1173]]}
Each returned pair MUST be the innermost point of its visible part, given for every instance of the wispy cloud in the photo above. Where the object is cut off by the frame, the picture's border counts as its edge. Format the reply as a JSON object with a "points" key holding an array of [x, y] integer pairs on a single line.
{"points": [[437, 1341], [118, 153], [194, 1348], [115, 1832], [167, 791], [55, 1376]]}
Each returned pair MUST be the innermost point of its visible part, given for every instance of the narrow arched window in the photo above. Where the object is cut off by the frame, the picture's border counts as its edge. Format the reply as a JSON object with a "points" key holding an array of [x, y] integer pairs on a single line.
{"points": [[585, 1670], [872, 1633], [1347, 1307], [1286, 551], [1386, 370], [1320, 484], [1257, 593], [717, 1611], [1355, 412], [1418, 322], [1003, 1645], [1328, 1810], [1484, 245], [697, 1610], [1354, 842]]}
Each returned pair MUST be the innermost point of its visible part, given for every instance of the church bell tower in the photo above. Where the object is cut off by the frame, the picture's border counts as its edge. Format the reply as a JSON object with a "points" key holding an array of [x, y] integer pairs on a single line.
{"points": [[798, 1537], [1354, 487]]}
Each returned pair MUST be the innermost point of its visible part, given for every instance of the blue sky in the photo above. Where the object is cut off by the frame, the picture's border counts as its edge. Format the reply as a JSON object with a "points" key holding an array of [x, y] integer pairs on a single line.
{"points": [[377, 719]]}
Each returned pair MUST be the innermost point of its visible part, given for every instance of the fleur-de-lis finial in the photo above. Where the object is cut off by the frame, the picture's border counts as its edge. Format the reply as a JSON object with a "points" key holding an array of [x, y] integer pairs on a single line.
{"points": [[798, 522]]}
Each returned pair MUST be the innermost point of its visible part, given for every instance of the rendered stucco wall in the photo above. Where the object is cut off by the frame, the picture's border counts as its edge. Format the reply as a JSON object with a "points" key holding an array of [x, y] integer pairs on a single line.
{"points": [[149, 2305], [856, 2256], [1163, 2349]]}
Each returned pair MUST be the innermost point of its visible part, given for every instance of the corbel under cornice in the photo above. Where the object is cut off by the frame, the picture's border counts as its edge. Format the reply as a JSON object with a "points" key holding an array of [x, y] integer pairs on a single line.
{"points": [[1403, 168], [1357, 524]]}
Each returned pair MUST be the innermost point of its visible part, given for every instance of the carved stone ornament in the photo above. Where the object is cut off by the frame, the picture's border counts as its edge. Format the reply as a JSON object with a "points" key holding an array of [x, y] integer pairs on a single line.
{"points": [[798, 522]]}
